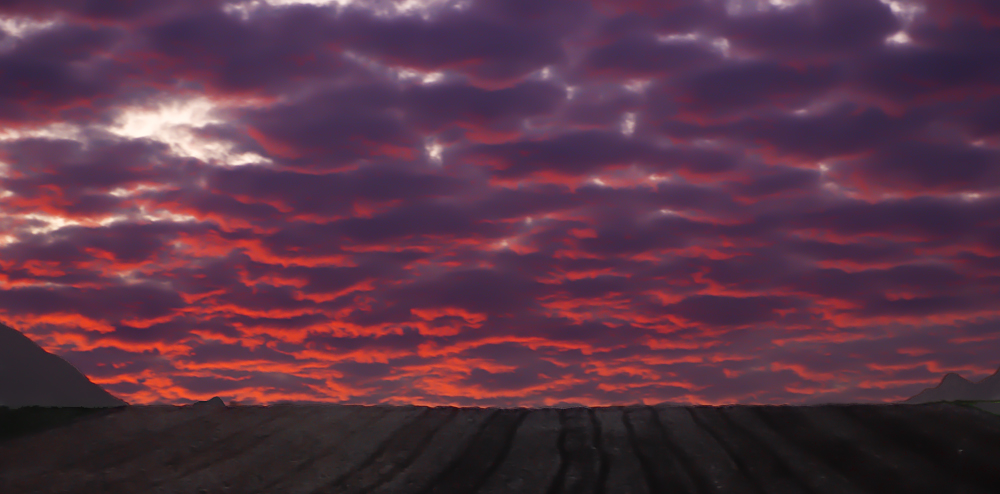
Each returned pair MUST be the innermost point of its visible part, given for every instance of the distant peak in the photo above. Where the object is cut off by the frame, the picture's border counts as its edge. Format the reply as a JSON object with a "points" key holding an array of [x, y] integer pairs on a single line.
{"points": [[954, 387], [951, 376], [213, 403], [993, 377]]}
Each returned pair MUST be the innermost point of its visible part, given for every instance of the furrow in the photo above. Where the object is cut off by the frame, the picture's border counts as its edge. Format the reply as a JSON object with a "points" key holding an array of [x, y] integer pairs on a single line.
{"points": [[625, 474], [356, 453], [446, 446], [700, 479], [394, 455], [483, 455], [815, 474], [370, 456], [581, 454], [533, 459], [857, 453], [663, 471], [178, 458], [508, 443], [604, 463], [294, 442], [333, 455], [767, 472], [556, 486], [416, 453], [712, 469], [110, 469], [484, 434], [966, 452]]}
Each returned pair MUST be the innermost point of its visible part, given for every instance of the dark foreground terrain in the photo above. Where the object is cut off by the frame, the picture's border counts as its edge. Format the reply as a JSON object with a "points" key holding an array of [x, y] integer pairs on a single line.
{"points": [[933, 448]]}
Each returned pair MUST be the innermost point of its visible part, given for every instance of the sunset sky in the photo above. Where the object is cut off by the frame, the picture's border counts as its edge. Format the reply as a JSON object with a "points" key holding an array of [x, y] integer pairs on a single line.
{"points": [[504, 202]]}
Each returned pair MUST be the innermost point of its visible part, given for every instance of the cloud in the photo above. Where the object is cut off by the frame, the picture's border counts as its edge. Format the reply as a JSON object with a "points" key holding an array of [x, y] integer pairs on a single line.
{"points": [[645, 56], [485, 115], [738, 85], [844, 129], [815, 29], [492, 51], [503, 202], [100, 9], [729, 311], [274, 47], [62, 71], [917, 165]]}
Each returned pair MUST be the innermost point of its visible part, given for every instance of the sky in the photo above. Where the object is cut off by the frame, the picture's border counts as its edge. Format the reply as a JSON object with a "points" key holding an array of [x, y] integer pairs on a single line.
{"points": [[504, 202]]}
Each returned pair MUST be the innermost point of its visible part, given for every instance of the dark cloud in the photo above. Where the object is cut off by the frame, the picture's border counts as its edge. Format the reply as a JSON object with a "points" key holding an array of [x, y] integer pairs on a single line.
{"points": [[739, 85], [762, 270], [75, 179], [673, 16], [600, 107], [207, 276], [109, 361], [869, 284], [407, 340], [925, 217], [663, 233], [846, 128], [580, 153], [476, 290], [419, 219], [981, 11], [61, 44], [506, 381], [596, 287], [56, 70], [926, 166], [557, 15], [221, 352], [815, 29], [910, 73], [440, 106], [335, 128], [169, 332], [781, 180], [645, 56], [489, 50], [868, 252], [985, 120], [103, 9], [328, 194], [918, 306], [730, 311], [112, 303], [271, 50]]}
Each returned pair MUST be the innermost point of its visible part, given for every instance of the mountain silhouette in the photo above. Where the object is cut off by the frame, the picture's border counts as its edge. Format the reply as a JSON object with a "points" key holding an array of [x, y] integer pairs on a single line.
{"points": [[954, 387], [31, 376]]}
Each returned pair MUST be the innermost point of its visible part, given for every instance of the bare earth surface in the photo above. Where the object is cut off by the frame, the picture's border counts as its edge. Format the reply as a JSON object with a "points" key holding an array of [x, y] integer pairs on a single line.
{"points": [[930, 448]]}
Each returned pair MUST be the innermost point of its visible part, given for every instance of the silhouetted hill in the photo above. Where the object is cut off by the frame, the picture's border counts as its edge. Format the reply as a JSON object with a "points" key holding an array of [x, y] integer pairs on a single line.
{"points": [[954, 387], [31, 376]]}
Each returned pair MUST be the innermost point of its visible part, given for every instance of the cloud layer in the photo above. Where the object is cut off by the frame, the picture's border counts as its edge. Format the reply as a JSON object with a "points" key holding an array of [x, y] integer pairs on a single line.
{"points": [[504, 202]]}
